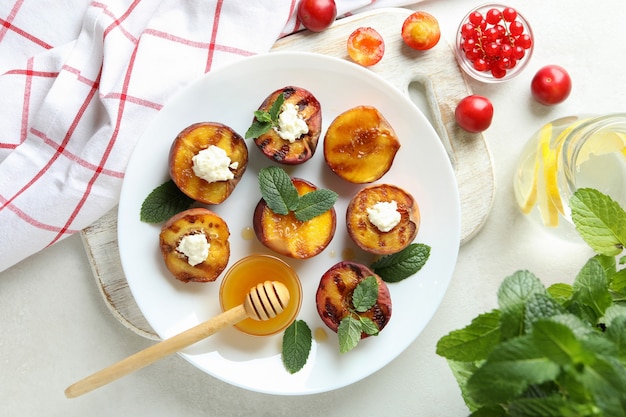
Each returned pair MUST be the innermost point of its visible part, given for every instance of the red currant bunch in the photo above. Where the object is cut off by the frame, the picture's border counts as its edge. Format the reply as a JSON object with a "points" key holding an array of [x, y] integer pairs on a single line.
{"points": [[494, 41]]}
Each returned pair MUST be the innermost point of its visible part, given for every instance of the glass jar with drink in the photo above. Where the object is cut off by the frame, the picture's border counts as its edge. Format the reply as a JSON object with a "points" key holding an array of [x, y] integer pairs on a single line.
{"points": [[565, 155]]}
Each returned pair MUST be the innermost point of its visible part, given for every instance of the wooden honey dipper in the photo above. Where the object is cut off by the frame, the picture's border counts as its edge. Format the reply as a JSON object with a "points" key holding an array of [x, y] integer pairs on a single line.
{"points": [[263, 302]]}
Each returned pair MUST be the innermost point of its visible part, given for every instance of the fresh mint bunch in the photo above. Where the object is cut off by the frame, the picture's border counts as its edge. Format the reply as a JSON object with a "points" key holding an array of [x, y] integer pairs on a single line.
{"points": [[557, 351], [265, 120], [282, 196]]}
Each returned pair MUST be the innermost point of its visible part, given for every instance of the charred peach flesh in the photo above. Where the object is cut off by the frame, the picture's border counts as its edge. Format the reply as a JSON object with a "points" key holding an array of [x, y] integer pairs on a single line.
{"points": [[360, 145], [197, 222], [334, 295], [368, 235], [287, 235], [189, 143], [302, 148]]}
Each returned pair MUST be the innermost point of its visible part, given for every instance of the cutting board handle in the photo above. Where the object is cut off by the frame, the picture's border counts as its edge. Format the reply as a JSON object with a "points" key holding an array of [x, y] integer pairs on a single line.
{"points": [[444, 86]]}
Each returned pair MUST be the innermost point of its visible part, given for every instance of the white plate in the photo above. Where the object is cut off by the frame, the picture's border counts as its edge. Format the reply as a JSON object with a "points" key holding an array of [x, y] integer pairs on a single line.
{"points": [[230, 96]]}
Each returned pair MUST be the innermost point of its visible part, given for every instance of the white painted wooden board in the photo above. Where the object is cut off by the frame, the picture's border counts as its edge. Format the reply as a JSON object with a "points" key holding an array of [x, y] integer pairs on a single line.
{"points": [[444, 84]]}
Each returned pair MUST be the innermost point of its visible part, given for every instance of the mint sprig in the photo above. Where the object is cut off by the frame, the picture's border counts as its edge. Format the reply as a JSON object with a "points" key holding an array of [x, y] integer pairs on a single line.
{"points": [[282, 196], [600, 221], [163, 202], [296, 346], [552, 351], [265, 120], [352, 326], [401, 265], [277, 190]]}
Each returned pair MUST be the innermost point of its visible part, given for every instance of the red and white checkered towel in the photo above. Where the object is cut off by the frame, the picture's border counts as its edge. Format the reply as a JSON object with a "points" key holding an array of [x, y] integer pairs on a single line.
{"points": [[81, 81]]}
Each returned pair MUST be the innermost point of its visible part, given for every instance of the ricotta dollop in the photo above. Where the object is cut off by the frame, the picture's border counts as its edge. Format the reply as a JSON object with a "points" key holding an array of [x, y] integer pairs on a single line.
{"points": [[384, 215], [195, 247], [290, 124], [213, 164]]}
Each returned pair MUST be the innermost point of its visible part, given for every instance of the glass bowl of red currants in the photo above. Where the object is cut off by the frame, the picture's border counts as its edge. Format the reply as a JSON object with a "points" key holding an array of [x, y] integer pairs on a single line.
{"points": [[494, 43]]}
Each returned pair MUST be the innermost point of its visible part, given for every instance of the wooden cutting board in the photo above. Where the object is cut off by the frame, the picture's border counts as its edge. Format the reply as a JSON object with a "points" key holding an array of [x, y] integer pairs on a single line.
{"points": [[443, 83]]}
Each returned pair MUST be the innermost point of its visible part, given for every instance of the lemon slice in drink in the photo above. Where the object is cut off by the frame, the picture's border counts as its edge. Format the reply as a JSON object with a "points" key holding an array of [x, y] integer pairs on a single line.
{"points": [[544, 188], [602, 143], [526, 191], [548, 197]]}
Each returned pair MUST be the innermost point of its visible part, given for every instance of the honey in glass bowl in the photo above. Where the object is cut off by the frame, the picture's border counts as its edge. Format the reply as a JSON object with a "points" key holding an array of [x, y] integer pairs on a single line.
{"points": [[246, 274]]}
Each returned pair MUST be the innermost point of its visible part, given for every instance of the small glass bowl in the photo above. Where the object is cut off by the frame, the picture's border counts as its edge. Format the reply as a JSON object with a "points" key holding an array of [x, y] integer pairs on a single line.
{"points": [[245, 274], [487, 31]]}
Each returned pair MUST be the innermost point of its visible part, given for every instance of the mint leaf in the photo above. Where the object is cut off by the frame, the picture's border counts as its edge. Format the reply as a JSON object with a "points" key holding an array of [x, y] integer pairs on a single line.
{"points": [[353, 325], [277, 190], [540, 306], [509, 370], [296, 346], [605, 379], [580, 328], [265, 120], [368, 326], [262, 117], [558, 342], [349, 333], [591, 290], [257, 128], [474, 342], [403, 264], [313, 204], [600, 221], [616, 332], [490, 411], [462, 371], [276, 106], [551, 406], [365, 294], [614, 312], [513, 294], [618, 281], [282, 196], [163, 202], [561, 292]]}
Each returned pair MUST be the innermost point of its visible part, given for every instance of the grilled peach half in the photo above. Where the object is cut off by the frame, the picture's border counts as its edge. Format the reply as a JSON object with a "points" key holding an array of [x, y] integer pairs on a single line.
{"points": [[185, 167], [333, 298], [360, 145], [301, 147], [187, 237], [365, 218], [287, 235]]}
